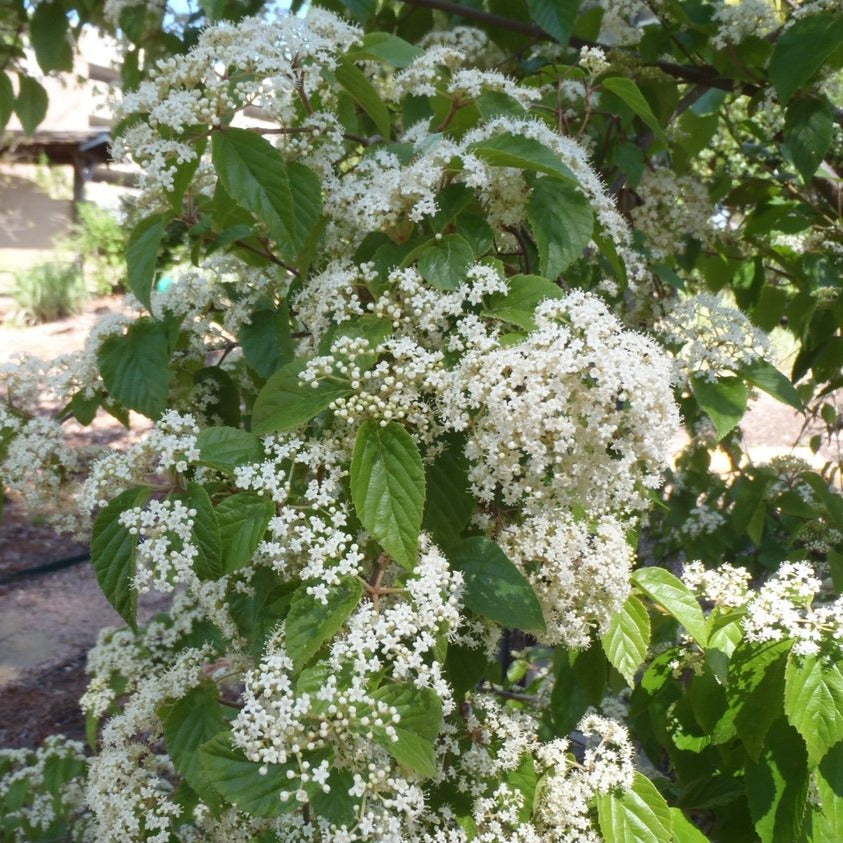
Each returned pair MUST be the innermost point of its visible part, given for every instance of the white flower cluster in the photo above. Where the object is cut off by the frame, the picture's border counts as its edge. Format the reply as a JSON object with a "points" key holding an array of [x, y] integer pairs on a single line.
{"points": [[702, 520], [737, 21], [672, 208], [712, 337], [725, 585], [580, 572], [580, 412]]}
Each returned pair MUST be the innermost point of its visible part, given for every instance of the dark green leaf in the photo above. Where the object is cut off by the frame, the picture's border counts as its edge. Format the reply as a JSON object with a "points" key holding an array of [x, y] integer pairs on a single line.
{"points": [[802, 49], [445, 263], [411, 751], [49, 37], [311, 621], [206, 534], [31, 103], [628, 92], [365, 95], [388, 488], [556, 17], [813, 701], [223, 397], [724, 400], [286, 197], [519, 303], [266, 340], [672, 594], [383, 46], [508, 150], [627, 638], [337, 807], [420, 708], [243, 519], [777, 785], [684, 831], [284, 403], [136, 367], [766, 376], [449, 502], [808, 131], [494, 587], [828, 826], [225, 448], [7, 99], [561, 220], [113, 550]]}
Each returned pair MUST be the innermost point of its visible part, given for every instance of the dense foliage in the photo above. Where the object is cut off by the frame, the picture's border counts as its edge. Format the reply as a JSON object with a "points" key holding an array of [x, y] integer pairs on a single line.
{"points": [[458, 274]]}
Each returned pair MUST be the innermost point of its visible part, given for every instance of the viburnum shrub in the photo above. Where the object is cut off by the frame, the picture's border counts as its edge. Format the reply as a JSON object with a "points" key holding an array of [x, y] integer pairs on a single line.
{"points": [[413, 402]]}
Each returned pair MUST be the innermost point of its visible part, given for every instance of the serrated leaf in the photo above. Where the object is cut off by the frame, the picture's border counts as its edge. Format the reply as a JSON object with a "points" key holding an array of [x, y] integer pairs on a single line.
{"points": [[555, 17], [445, 263], [808, 132], [828, 825], [365, 95], [519, 303], [684, 831], [311, 622], [388, 488], [628, 92], [777, 785], [672, 594], [627, 638], [113, 550], [142, 256], [284, 403], [136, 367], [449, 503], [243, 519], [724, 401], [206, 534], [31, 103], [637, 815], [813, 701], [189, 723], [240, 782], [225, 448], [49, 37], [223, 404], [7, 99], [411, 751], [266, 340], [287, 198], [386, 47], [337, 807], [494, 587], [508, 150], [562, 221], [420, 708], [766, 376], [802, 49]]}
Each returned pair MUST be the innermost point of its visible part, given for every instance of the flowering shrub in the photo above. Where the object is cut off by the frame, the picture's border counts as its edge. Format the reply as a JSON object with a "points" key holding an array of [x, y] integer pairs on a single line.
{"points": [[412, 403]]}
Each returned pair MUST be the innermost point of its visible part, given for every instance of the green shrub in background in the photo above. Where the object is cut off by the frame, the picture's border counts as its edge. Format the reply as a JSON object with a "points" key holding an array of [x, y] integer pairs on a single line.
{"points": [[98, 239], [50, 291]]}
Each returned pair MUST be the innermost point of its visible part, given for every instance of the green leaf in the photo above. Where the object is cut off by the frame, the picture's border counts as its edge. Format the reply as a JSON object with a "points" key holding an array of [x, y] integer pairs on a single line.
{"points": [[813, 701], [637, 815], [444, 264], [361, 10], [49, 37], [684, 831], [223, 403], [206, 534], [113, 550], [494, 587], [828, 825], [365, 95], [449, 503], [724, 400], [240, 782], [266, 340], [142, 256], [555, 17], [508, 150], [311, 622], [580, 683], [383, 46], [672, 594], [189, 723], [243, 519], [766, 376], [628, 92], [411, 751], [337, 807], [388, 488], [808, 131], [627, 638], [284, 403], [519, 303], [225, 448], [136, 367], [777, 785], [561, 220], [31, 103], [420, 708], [7, 99], [286, 197], [802, 49]]}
